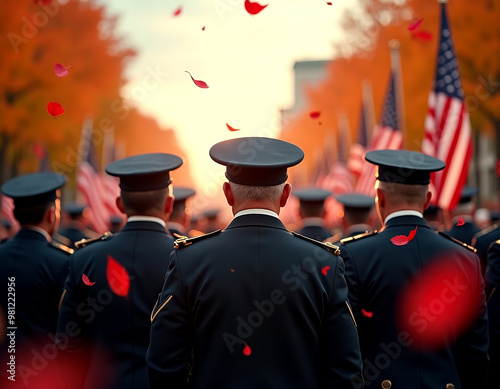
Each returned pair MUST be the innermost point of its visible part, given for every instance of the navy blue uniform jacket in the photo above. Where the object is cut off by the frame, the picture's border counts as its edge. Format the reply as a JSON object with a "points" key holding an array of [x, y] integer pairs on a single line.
{"points": [[38, 270], [113, 330], [253, 307], [464, 233], [493, 294], [377, 271]]}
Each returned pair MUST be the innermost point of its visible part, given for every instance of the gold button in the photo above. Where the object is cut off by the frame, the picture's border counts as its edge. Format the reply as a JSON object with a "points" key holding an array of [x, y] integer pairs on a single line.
{"points": [[386, 384], [450, 386]]}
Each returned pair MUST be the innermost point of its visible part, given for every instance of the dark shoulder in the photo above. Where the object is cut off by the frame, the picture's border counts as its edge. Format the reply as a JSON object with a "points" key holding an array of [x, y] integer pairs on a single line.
{"points": [[325, 245], [86, 242], [61, 247], [487, 232], [184, 241], [456, 241], [358, 237]]}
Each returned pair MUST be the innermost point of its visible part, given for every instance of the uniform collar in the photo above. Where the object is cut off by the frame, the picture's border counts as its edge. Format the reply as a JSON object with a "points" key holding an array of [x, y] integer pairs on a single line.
{"points": [[257, 220], [40, 231], [406, 212], [257, 211], [140, 218]]}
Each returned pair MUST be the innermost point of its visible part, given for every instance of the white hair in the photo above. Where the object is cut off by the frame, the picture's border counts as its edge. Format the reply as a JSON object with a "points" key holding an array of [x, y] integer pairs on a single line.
{"points": [[247, 192]]}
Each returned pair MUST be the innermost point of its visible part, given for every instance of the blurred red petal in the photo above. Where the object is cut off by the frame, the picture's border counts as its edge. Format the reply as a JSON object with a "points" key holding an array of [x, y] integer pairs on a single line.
{"points": [[61, 70], [325, 269], [42, 2], [460, 222], [232, 270], [368, 314], [412, 234], [247, 350], [54, 109], [86, 280], [314, 114], [415, 24], [118, 278], [231, 128], [424, 36], [198, 83], [400, 240], [254, 8], [203, 28], [329, 3], [177, 11]]}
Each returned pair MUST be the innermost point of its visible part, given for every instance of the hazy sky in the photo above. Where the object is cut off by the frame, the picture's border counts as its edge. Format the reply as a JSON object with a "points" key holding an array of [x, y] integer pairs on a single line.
{"points": [[247, 61]]}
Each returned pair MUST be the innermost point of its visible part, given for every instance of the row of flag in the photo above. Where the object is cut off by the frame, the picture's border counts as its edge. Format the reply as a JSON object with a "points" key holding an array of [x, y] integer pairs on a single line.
{"points": [[447, 132]]}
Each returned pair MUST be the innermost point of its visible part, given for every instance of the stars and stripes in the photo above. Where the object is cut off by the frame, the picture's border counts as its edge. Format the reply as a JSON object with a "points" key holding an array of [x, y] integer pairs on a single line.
{"points": [[358, 149], [386, 135], [447, 124]]}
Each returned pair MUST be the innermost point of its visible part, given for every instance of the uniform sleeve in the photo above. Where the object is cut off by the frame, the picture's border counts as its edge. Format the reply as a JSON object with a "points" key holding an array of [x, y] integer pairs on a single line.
{"points": [[169, 353], [342, 344], [352, 283], [72, 330], [493, 296], [473, 345]]}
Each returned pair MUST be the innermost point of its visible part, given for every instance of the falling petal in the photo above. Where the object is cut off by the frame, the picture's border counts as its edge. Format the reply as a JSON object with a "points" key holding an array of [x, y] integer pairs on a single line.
{"points": [[203, 28], [368, 314], [247, 350], [54, 109], [118, 278], [314, 114], [86, 280], [231, 128], [415, 24], [412, 234], [198, 83], [325, 269], [61, 70], [461, 221], [399, 240], [424, 36], [177, 11], [254, 8], [329, 3], [232, 270]]}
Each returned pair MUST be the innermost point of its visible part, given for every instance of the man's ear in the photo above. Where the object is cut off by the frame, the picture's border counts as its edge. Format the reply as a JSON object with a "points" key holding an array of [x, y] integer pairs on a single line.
{"points": [[228, 192], [428, 199], [286, 194], [119, 204], [169, 204], [50, 215], [380, 195]]}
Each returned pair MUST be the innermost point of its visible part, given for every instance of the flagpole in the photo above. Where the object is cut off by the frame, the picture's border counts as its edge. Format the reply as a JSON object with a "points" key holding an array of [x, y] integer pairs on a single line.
{"points": [[369, 110], [396, 68]]}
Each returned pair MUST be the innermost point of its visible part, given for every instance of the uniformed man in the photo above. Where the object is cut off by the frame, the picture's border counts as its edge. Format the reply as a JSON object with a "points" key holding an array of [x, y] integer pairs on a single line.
{"points": [[211, 220], [32, 269], [180, 219], [492, 280], [253, 305], [483, 240], [74, 228], [463, 227], [357, 213], [113, 281], [418, 296], [312, 212]]}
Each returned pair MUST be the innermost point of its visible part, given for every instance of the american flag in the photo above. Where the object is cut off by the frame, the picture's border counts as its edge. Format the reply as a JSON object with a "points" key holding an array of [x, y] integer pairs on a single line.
{"points": [[447, 124], [7, 211], [90, 185], [386, 135]]}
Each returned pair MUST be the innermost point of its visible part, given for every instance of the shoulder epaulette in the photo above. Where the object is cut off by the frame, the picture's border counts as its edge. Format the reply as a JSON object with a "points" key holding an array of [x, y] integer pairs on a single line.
{"points": [[326, 245], [486, 231], [62, 247], [333, 238], [358, 237], [185, 241], [61, 239], [84, 242], [468, 247]]}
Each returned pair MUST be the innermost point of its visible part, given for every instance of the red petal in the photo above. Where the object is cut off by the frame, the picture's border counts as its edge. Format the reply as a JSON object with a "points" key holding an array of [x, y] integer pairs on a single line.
{"points": [[178, 11], [367, 313], [198, 83], [231, 128], [461, 221], [247, 350], [254, 8], [60, 70], [203, 28], [329, 3], [54, 109], [118, 278], [422, 35], [232, 270], [415, 24], [399, 240], [86, 280], [314, 114], [325, 269], [412, 234]]}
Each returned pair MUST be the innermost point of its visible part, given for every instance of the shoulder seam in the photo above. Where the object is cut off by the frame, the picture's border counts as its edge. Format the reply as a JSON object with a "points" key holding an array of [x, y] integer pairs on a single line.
{"points": [[184, 241], [358, 237], [326, 245], [85, 242], [459, 242]]}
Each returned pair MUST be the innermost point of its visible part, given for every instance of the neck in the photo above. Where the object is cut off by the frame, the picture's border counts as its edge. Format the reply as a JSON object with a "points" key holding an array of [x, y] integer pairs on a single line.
{"points": [[252, 204]]}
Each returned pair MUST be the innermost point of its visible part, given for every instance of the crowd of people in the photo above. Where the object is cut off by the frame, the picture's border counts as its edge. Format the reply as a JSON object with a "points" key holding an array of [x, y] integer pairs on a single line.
{"points": [[398, 302]]}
